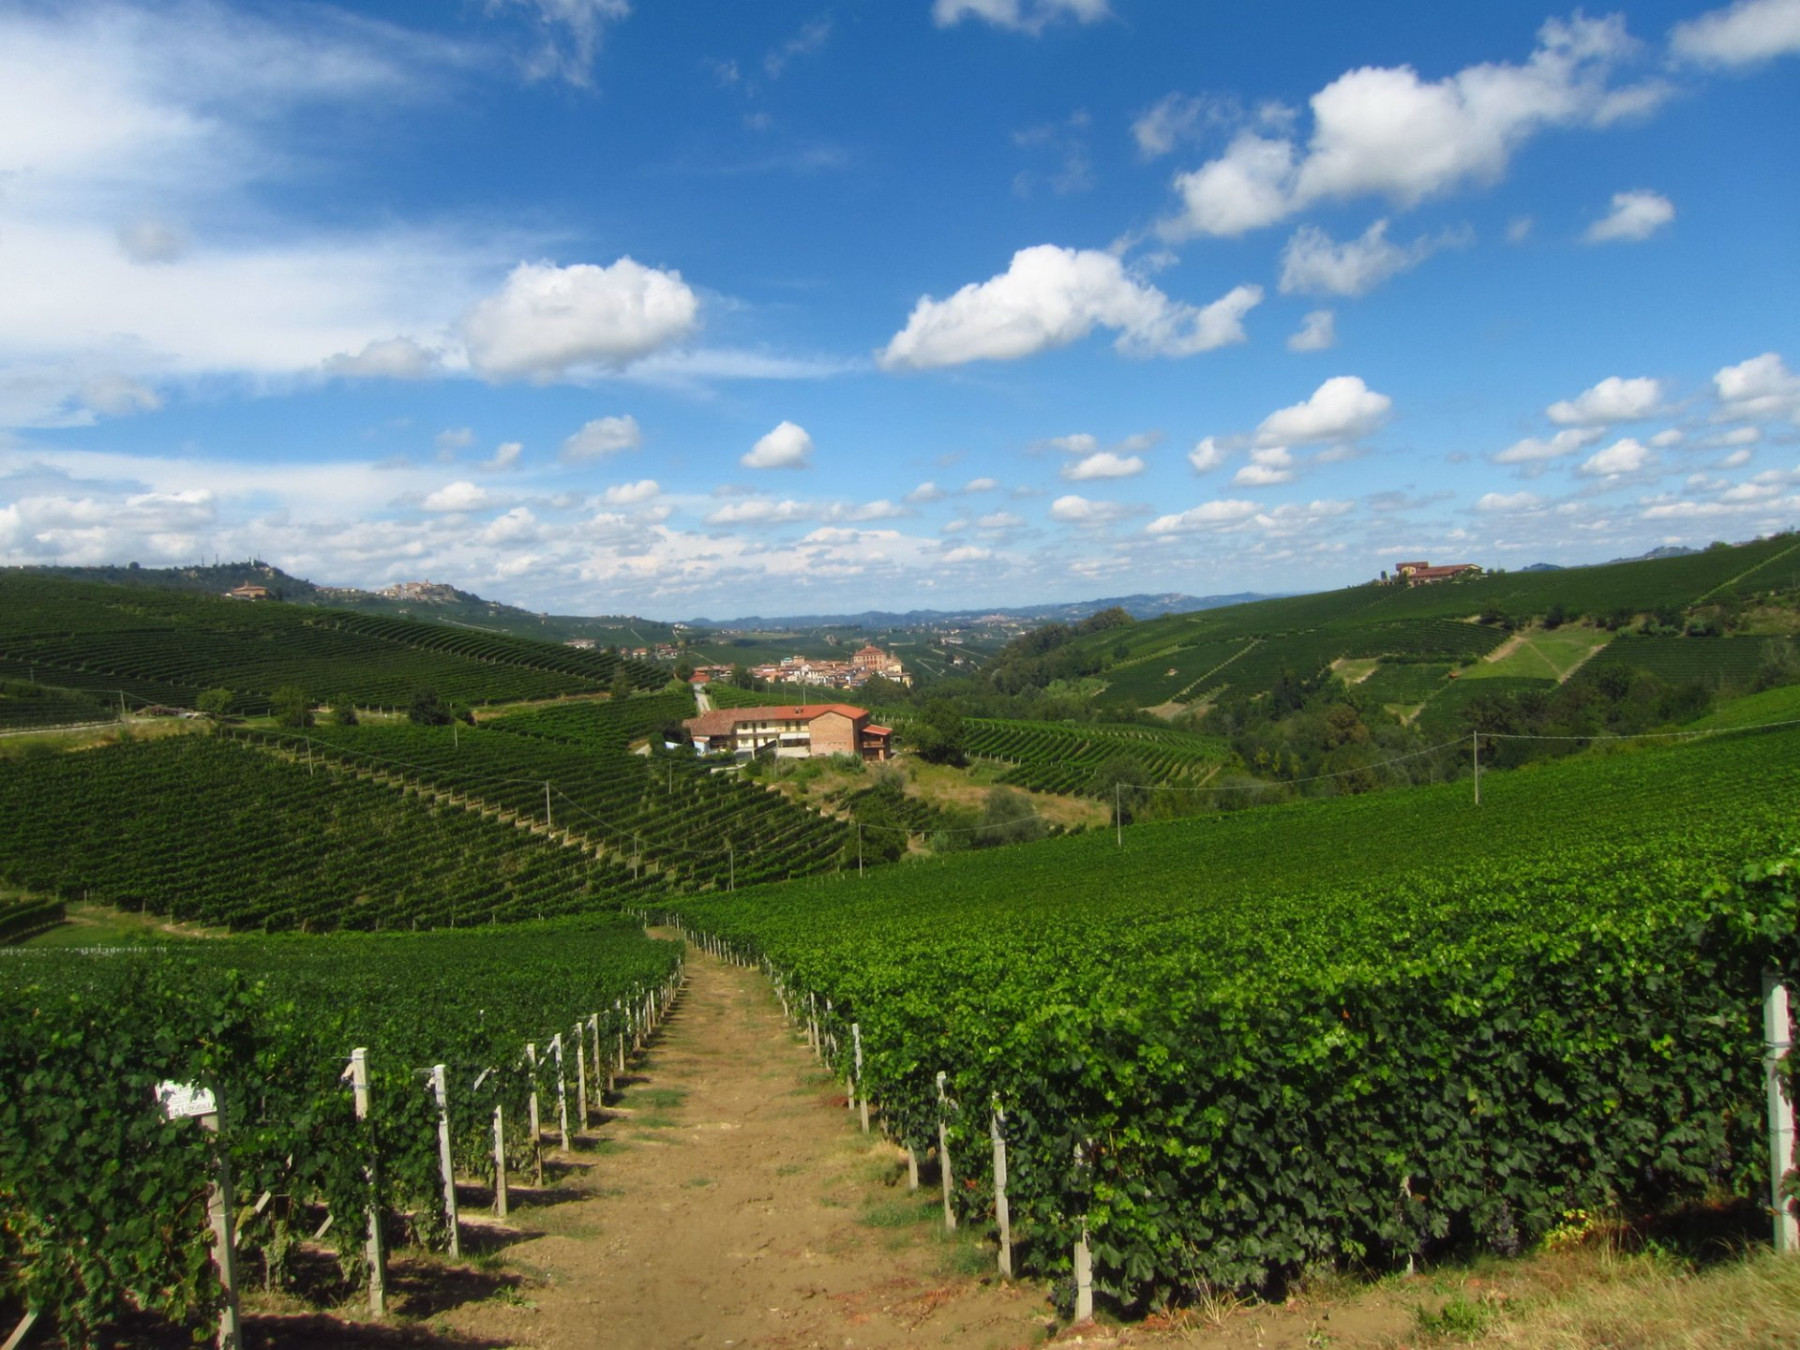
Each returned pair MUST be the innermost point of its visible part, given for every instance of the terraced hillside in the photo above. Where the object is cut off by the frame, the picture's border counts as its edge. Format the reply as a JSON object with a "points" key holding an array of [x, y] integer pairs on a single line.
{"points": [[166, 647]]}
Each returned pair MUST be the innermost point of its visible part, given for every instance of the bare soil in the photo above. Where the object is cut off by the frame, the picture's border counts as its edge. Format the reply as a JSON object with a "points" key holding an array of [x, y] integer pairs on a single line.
{"points": [[729, 1199]]}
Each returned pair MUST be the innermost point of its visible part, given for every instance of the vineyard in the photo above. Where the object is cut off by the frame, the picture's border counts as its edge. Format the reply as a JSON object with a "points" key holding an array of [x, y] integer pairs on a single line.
{"points": [[204, 830], [104, 1207], [1059, 757], [668, 814], [165, 647], [24, 705], [1351, 1031]]}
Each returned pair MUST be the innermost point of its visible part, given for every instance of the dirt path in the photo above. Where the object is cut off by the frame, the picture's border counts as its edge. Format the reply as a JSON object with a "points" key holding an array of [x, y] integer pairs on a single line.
{"points": [[727, 1203]]}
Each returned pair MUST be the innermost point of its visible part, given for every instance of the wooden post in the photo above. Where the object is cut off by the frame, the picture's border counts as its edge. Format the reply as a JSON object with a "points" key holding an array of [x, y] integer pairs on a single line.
{"points": [[441, 1091], [1002, 1212], [1778, 1041], [581, 1100], [1475, 754], [1084, 1279], [358, 1074], [562, 1091], [944, 1153], [499, 1162]]}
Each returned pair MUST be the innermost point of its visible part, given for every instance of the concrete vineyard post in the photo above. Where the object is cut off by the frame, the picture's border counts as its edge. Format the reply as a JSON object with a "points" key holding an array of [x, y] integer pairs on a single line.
{"points": [[862, 1097], [1778, 1041], [944, 1153], [184, 1101], [500, 1162], [912, 1168], [1475, 759], [532, 1118], [593, 1021], [1002, 1211], [581, 1101], [358, 1074], [562, 1091], [1084, 1279], [441, 1092]]}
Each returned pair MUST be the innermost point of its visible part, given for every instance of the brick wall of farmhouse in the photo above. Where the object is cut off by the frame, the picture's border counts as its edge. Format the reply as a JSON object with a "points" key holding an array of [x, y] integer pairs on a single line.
{"points": [[833, 734]]}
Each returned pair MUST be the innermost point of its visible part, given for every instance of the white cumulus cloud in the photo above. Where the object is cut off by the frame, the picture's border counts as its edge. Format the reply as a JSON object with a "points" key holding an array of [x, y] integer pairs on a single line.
{"points": [[1612, 400], [1268, 466], [1049, 297], [1314, 264], [1317, 333], [601, 437], [549, 322], [1508, 502], [1531, 450], [1621, 457], [396, 358], [1341, 409], [786, 447], [1103, 464], [632, 494], [1074, 510], [1741, 34], [1384, 131], [1634, 216], [1207, 455], [1762, 387], [458, 496], [1213, 515]]}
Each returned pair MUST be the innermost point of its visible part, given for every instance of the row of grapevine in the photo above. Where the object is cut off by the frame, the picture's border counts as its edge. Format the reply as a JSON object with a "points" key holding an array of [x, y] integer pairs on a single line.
{"points": [[614, 724], [23, 916], [1353, 1031], [89, 635], [104, 1206], [202, 829], [671, 813], [25, 705]]}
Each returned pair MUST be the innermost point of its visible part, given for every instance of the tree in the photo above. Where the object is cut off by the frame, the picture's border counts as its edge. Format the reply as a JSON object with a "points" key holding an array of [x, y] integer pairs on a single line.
{"points": [[684, 671], [214, 702], [741, 677], [621, 683], [937, 737], [428, 709], [1008, 818], [343, 713], [1120, 781], [292, 707]]}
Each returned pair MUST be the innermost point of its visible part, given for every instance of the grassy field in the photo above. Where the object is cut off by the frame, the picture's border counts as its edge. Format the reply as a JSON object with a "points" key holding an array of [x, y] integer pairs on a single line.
{"points": [[1540, 654]]}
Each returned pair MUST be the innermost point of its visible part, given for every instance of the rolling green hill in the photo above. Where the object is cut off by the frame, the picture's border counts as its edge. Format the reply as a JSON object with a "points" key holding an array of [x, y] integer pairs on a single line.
{"points": [[161, 646]]}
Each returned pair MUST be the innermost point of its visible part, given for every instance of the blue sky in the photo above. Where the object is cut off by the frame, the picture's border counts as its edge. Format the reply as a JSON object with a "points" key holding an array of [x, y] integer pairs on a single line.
{"points": [[714, 308]]}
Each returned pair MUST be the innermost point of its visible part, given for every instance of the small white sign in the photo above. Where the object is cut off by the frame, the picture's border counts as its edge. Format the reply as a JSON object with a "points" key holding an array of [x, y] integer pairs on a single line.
{"points": [[181, 1100]]}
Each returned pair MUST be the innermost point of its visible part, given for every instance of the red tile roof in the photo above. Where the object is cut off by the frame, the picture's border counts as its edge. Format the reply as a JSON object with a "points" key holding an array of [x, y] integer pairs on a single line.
{"points": [[722, 721]]}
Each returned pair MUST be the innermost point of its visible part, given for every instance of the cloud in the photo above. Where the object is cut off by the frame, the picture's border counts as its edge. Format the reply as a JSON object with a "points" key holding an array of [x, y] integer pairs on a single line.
{"points": [[1667, 437], [1213, 515], [1022, 16], [113, 395], [1635, 216], [1385, 132], [632, 494], [1508, 503], [570, 34], [975, 485], [1612, 400], [1317, 333], [1074, 510], [966, 553], [458, 496], [506, 456], [1760, 388], [601, 437], [548, 322], [148, 241], [1621, 457], [452, 439], [1207, 455], [1103, 464], [395, 358], [1176, 119], [515, 527], [786, 447], [1341, 409], [1049, 297], [999, 520], [1267, 467], [925, 493], [1741, 34], [812, 37], [764, 511], [1315, 265], [1534, 451]]}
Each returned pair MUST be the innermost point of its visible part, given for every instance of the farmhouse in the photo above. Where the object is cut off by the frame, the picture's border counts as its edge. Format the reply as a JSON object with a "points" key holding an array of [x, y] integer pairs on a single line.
{"points": [[248, 591], [1424, 574], [791, 731]]}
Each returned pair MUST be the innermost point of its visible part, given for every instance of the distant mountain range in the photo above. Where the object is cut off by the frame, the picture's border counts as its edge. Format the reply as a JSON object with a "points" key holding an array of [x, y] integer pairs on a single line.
{"points": [[1138, 606]]}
